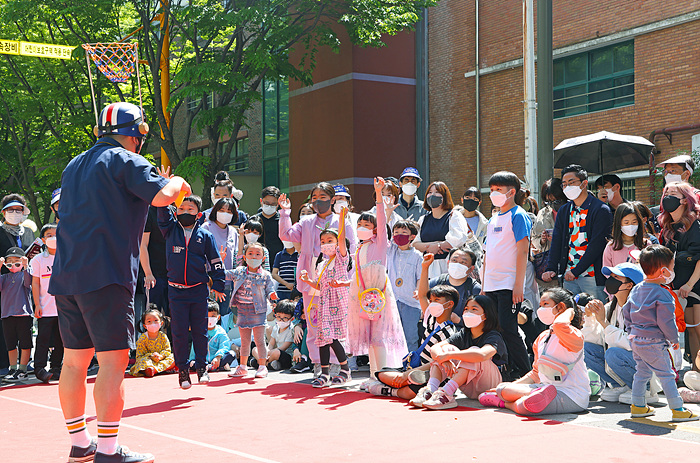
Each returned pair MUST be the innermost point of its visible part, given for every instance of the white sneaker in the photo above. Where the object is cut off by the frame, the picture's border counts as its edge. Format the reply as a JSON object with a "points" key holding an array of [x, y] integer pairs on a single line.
{"points": [[422, 395], [440, 401], [651, 397], [238, 372], [379, 388], [612, 394], [364, 386], [262, 372], [275, 365]]}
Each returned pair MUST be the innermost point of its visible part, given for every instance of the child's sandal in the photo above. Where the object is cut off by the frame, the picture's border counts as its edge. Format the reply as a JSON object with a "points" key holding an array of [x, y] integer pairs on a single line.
{"points": [[321, 381], [342, 378]]}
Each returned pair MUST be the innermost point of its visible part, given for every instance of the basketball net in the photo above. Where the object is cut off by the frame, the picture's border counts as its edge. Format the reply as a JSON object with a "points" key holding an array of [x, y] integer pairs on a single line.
{"points": [[116, 61]]}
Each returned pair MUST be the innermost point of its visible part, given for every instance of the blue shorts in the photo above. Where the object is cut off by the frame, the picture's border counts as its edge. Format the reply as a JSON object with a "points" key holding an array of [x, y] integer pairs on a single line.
{"points": [[102, 319]]}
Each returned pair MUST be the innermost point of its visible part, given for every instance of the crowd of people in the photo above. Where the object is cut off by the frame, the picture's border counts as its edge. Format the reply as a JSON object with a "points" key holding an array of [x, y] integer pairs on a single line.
{"points": [[536, 309]]}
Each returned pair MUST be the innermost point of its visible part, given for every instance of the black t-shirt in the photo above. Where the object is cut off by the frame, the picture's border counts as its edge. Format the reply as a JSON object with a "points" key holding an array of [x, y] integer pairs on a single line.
{"points": [[270, 237], [466, 289], [462, 340], [156, 245]]}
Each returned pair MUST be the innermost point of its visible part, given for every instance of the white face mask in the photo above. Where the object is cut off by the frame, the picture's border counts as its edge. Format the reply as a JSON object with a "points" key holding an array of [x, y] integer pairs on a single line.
{"points": [[409, 189], [281, 324], [13, 217], [364, 234], [224, 217], [153, 327], [498, 199], [339, 205], [211, 322], [572, 192], [546, 315], [611, 193], [388, 200], [471, 319], [435, 309], [673, 178], [51, 242], [669, 279], [252, 237], [329, 249], [254, 263], [629, 230], [457, 270], [268, 209], [287, 244]]}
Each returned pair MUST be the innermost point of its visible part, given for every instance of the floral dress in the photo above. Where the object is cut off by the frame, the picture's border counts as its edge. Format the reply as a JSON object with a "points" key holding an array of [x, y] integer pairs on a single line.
{"points": [[333, 303], [146, 346]]}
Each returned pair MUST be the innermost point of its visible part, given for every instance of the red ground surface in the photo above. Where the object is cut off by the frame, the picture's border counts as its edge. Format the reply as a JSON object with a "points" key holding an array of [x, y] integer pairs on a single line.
{"points": [[264, 420]]}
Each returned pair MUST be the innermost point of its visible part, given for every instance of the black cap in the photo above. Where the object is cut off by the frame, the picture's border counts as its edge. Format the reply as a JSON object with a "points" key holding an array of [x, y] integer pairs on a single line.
{"points": [[15, 252]]}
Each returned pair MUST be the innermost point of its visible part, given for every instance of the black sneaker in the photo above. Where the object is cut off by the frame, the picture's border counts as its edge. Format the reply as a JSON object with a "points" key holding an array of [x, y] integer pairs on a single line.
{"points": [[21, 375], [123, 455], [82, 454], [55, 374], [11, 375], [301, 367], [202, 376], [43, 375], [184, 378]]}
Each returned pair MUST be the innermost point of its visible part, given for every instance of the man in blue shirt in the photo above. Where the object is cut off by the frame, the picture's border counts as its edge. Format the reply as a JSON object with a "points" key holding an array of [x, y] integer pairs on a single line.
{"points": [[105, 193]]}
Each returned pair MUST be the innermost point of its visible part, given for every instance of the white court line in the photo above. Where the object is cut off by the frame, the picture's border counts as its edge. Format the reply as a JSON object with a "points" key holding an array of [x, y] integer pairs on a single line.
{"points": [[162, 434]]}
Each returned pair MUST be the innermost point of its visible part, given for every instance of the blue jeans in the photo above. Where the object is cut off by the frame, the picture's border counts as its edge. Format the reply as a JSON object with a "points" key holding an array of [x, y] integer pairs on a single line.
{"points": [[585, 284], [619, 360], [409, 320], [652, 357]]}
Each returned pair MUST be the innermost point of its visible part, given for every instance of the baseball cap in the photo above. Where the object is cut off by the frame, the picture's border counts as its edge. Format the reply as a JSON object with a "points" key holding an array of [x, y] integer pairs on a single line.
{"points": [[340, 190], [683, 159], [17, 203], [14, 252], [55, 196], [410, 172], [626, 269]]}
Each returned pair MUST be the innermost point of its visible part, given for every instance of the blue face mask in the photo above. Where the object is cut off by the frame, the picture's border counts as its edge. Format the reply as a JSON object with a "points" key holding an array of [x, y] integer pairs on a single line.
{"points": [[254, 263]]}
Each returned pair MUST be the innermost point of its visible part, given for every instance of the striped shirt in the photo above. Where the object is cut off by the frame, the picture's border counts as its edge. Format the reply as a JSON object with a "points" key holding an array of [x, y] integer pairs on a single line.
{"points": [[447, 329], [286, 265]]}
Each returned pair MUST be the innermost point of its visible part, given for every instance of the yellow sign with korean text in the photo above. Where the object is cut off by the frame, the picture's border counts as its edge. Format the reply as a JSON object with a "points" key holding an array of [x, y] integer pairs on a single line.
{"points": [[41, 50]]}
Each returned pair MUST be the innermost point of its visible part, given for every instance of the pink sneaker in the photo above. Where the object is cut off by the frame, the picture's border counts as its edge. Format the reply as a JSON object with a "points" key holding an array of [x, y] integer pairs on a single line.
{"points": [[540, 398], [491, 399]]}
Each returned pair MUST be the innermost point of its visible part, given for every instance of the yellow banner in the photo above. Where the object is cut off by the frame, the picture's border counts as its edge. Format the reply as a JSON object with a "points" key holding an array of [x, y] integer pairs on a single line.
{"points": [[45, 50], [9, 47]]}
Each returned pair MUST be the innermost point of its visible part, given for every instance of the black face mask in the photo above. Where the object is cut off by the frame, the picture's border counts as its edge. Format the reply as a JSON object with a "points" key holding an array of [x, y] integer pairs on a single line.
{"points": [[556, 204], [321, 206], [434, 201], [186, 220], [612, 285], [670, 203], [470, 204]]}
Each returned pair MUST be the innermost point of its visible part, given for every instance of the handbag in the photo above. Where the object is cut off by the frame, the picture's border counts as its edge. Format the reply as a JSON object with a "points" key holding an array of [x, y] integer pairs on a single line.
{"points": [[372, 300], [412, 359], [540, 261]]}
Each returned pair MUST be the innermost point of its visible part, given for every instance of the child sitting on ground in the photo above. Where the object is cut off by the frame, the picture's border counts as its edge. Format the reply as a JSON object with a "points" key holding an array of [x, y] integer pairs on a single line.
{"points": [[279, 356], [153, 354], [16, 312], [470, 358], [218, 344], [558, 381], [45, 309], [649, 317]]}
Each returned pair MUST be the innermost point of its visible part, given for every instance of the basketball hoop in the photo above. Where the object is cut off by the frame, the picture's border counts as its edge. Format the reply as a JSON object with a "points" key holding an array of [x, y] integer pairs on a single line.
{"points": [[116, 61]]}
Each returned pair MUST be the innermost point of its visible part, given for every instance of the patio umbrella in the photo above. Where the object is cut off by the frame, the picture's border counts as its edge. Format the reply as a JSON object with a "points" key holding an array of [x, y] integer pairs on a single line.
{"points": [[603, 152]]}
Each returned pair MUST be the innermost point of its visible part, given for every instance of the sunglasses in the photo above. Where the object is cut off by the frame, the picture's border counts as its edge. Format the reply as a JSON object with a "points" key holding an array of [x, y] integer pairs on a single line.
{"points": [[13, 264]]}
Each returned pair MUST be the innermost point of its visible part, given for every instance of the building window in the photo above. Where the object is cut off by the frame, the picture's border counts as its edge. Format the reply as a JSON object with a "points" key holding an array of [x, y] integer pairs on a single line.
{"points": [[629, 190], [193, 103], [239, 156], [594, 81], [276, 134]]}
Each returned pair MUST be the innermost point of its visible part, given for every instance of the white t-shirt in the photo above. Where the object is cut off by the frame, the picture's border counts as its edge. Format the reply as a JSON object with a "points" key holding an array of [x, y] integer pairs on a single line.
{"points": [[41, 266], [502, 233], [285, 336]]}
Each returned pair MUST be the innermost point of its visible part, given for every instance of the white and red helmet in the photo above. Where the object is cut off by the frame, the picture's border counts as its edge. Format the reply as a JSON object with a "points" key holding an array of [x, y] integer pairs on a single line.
{"points": [[122, 119]]}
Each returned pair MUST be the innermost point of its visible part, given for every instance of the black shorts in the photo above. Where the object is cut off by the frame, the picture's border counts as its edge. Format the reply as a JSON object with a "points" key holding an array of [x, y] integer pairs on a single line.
{"points": [[285, 360], [101, 319], [18, 330]]}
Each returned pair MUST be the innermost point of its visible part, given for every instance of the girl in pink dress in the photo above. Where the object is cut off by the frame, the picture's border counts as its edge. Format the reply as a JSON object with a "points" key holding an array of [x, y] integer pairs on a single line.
{"points": [[382, 338], [332, 270]]}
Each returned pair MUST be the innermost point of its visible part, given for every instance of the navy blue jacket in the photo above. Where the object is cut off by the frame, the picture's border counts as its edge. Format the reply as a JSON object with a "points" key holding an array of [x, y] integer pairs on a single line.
{"points": [[187, 261], [597, 229]]}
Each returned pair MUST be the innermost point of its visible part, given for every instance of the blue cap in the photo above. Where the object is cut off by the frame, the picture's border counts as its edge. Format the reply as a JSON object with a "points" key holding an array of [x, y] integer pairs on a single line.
{"points": [[340, 190], [626, 269], [55, 196], [410, 172]]}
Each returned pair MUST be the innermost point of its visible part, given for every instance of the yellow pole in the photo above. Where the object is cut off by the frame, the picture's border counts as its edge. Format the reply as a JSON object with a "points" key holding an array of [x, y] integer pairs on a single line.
{"points": [[165, 79]]}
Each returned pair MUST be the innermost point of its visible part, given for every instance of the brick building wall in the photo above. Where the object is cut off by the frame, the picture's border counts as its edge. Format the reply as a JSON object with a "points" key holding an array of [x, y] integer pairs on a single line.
{"points": [[667, 84]]}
